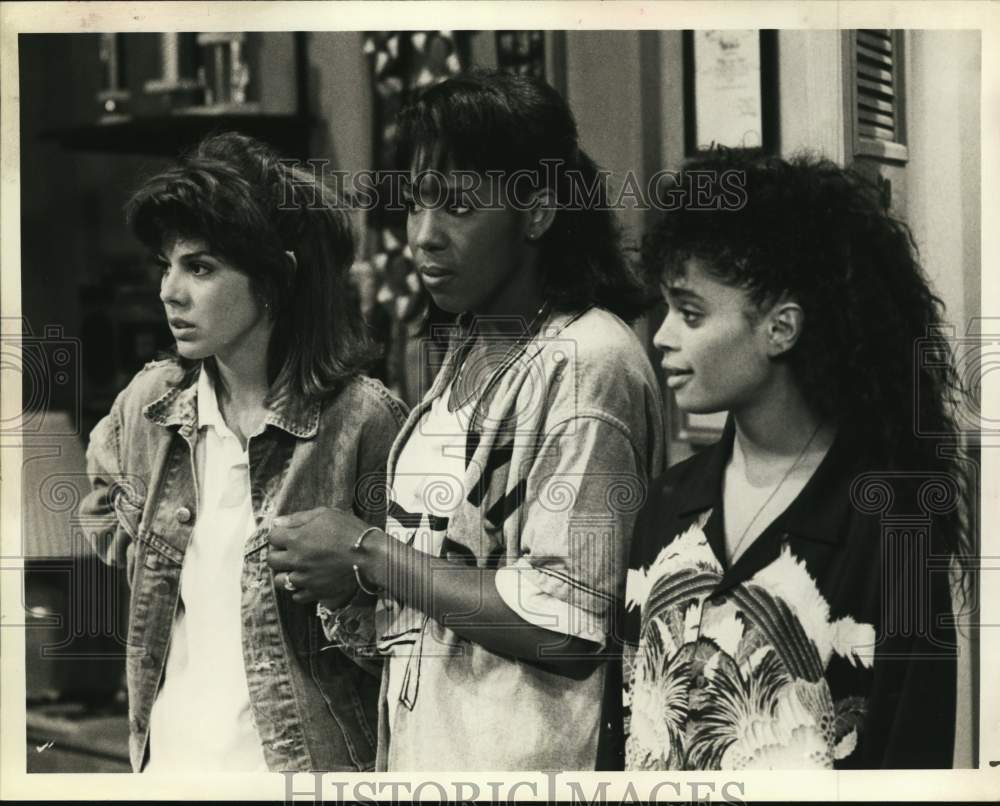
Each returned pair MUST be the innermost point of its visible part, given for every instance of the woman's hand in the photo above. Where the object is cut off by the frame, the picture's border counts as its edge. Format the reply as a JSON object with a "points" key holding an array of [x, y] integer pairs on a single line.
{"points": [[312, 549]]}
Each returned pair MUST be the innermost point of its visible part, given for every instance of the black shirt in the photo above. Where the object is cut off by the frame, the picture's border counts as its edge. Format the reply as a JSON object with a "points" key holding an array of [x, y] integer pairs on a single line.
{"points": [[829, 642]]}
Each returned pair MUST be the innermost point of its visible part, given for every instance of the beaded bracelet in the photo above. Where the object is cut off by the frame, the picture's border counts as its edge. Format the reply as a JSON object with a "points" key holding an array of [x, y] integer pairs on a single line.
{"points": [[357, 570]]}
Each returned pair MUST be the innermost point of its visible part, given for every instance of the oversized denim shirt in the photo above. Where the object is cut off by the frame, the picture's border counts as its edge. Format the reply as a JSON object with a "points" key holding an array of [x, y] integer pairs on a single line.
{"points": [[313, 706], [558, 451]]}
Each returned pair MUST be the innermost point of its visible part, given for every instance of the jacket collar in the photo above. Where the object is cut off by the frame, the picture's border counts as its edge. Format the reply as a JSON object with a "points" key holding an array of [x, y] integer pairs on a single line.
{"points": [[459, 339], [178, 406], [819, 512], [467, 326]]}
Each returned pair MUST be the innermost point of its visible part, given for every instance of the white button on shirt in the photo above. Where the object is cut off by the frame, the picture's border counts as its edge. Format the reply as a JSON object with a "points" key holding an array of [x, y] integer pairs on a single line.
{"points": [[201, 718]]}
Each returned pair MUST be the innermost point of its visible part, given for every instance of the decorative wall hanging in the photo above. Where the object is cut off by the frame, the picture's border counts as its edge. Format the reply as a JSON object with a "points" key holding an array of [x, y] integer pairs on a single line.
{"points": [[399, 309], [730, 90], [521, 52]]}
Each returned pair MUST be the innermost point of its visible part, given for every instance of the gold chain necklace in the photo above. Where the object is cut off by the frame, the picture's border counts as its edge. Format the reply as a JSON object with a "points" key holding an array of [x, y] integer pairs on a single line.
{"points": [[734, 553], [454, 402]]}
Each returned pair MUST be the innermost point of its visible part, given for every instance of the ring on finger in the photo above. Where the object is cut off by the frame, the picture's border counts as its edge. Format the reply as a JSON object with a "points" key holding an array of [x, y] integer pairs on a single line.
{"points": [[288, 584]]}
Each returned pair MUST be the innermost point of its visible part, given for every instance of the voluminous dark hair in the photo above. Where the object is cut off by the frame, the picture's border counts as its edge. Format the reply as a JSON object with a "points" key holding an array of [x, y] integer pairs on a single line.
{"points": [[251, 207], [818, 233], [486, 121]]}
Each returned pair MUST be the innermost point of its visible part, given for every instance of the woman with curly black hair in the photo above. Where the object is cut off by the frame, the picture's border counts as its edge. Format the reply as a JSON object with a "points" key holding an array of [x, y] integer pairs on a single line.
{"points": [[777, 613], [516, 481]]}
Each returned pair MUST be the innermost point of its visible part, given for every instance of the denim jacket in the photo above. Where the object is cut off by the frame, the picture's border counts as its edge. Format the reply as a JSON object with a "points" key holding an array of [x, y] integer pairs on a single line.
{"points": [[314, 708]]}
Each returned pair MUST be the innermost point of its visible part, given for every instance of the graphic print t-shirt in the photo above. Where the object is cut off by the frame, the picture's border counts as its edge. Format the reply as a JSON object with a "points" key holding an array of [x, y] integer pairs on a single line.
{"points": [[426, 488]]}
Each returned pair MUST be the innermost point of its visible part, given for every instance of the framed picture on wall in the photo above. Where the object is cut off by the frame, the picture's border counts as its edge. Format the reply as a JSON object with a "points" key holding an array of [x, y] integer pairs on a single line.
{"points": [[730, 90]]}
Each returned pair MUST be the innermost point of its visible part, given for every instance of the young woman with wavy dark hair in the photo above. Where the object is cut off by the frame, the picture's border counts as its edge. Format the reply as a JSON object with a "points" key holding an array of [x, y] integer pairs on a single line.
{"points": [[514, 484], [262, 411], [806, 554]]}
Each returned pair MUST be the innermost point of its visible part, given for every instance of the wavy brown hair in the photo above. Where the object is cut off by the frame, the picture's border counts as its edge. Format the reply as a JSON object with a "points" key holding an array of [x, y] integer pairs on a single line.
{"points": [[252, 207]]}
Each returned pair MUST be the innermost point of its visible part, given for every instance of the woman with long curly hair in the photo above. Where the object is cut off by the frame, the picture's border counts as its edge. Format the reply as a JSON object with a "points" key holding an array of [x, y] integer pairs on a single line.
{"points": [[777, 613], [262, 410], [516, 481]]}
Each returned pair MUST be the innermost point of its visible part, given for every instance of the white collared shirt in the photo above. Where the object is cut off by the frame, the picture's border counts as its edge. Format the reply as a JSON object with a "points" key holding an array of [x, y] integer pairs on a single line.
{"points": [[201, 718]]}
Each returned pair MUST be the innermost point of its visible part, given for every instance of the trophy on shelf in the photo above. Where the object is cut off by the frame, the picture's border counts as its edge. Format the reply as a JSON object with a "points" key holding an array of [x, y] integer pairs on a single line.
{"points": [[178, 84], [113, 96], [224, 73]]}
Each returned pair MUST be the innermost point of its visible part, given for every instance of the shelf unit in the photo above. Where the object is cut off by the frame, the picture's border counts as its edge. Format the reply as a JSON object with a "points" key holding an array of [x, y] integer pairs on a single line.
{"points": [[170, 135]]}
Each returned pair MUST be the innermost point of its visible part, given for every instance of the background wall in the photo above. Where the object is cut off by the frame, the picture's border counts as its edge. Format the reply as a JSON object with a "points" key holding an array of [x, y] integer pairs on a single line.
{"points": [[340, 97], [944, 208], [944, 212]]}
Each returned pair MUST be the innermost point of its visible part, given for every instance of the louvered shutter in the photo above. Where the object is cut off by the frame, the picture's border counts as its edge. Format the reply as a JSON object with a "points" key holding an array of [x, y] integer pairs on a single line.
{"points": [[878, 93]]}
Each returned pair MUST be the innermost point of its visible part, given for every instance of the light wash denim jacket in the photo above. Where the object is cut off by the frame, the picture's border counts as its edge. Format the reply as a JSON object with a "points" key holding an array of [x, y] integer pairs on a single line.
{"points": [[314, 708]]}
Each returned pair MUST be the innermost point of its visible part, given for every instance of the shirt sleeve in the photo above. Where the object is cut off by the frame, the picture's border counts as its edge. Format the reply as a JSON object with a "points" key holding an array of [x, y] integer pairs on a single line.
{"points": [[910, 721], [580, 503]]}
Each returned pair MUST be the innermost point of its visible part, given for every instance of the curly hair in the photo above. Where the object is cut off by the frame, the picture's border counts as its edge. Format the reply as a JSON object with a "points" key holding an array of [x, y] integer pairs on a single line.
{"points": [[486, 121], [819, 234], [253, 208]]}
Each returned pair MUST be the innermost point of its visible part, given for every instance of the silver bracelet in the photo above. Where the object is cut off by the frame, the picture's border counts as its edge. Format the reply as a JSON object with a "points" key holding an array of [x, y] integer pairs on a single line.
{"points": [[357, 569]]}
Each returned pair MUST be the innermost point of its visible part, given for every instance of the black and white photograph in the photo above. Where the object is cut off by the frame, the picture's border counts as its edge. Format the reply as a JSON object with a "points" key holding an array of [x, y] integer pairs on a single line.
{"points": [[593, 409]]}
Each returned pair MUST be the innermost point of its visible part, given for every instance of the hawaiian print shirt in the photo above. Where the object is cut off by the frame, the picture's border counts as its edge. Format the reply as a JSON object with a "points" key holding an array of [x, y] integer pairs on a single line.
{"points": [[828, 644]]}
